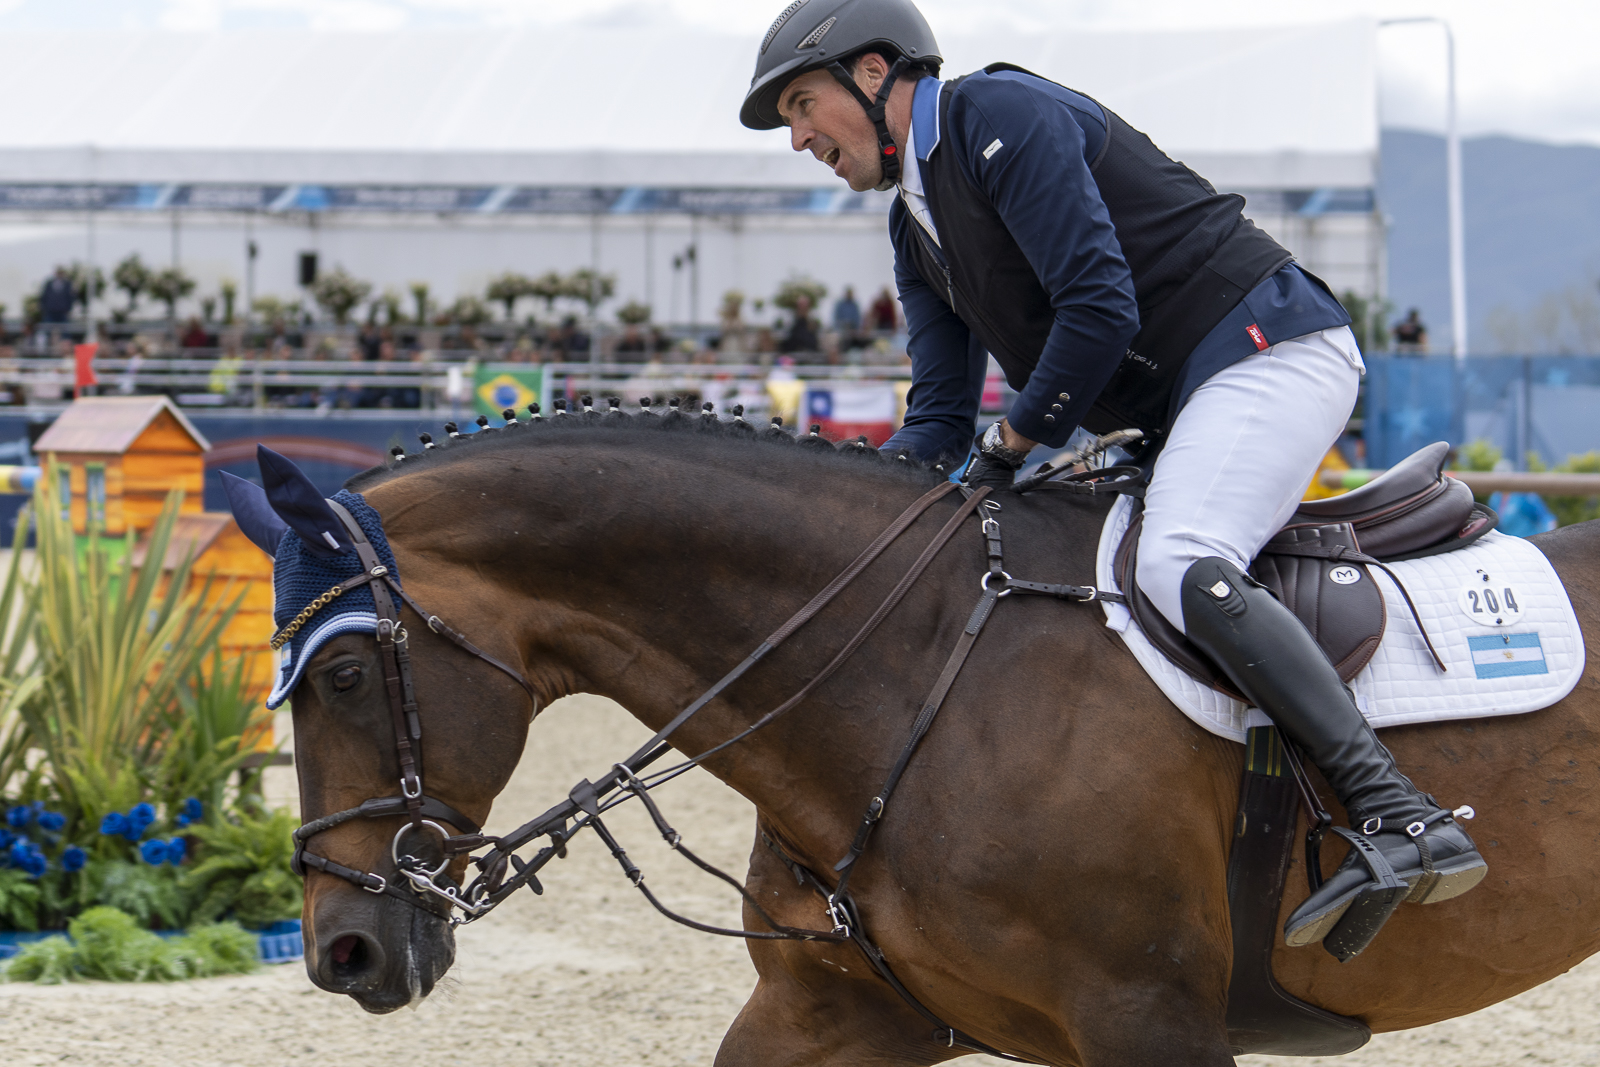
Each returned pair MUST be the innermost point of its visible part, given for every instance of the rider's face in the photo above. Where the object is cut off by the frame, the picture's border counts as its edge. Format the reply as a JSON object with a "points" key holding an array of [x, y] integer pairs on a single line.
{"points": [[825, 120]]}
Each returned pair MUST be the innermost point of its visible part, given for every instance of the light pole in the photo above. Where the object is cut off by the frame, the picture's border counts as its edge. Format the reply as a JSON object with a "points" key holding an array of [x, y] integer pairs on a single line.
{"points": [[1452, 166]]}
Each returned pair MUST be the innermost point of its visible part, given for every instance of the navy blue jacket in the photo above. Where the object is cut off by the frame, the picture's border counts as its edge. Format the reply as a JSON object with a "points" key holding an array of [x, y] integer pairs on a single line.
{"points": [[1049, 201]]}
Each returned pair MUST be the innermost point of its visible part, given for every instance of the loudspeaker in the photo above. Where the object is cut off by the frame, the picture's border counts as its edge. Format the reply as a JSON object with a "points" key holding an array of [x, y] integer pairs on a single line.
{"points": [[308, 268]]}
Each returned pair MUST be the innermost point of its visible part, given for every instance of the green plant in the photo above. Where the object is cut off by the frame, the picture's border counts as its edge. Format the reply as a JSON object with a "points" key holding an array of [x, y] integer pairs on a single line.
{"points": [[49, 961], [338, 292], [799, 285], [133, 278], [633, 313], [467, 311], [548, 287], [246, 872], [112, 648], [82, 278], [209, 732], [170, 286], [1571, 509], [273, 310], [1369, 320], [108, 944], [392, 304], [230, 295], [19, 901], [507, 289], [155, 896], [224, 948], [590, 288], [419, 297]]}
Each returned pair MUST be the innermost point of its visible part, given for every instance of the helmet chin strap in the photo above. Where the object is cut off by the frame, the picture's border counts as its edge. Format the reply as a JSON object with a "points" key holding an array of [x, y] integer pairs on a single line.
{"points": [[877, 110]]}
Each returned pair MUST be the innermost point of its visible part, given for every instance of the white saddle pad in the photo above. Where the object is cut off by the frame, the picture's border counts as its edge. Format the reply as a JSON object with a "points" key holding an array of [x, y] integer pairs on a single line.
{"points": [[1495, 611]]}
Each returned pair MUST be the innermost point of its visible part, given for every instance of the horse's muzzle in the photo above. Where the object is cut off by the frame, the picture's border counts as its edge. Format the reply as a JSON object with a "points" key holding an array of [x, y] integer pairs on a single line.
{"points": [[379, 952]]}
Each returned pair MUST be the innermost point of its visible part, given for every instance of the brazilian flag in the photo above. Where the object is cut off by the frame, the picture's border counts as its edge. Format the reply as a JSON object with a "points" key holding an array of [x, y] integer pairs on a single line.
{"points": [[499, 386]]}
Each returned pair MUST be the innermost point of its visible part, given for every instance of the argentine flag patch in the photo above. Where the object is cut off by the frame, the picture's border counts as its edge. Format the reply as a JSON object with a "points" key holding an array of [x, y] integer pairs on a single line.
{"points": [[1504, 655]]}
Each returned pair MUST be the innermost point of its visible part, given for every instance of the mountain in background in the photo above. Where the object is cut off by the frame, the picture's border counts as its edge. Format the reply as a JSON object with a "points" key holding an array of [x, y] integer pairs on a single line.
{"points": [[1532, 214]]}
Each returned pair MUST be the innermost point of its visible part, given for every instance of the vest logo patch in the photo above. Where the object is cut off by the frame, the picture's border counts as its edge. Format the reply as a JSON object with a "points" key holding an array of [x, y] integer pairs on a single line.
{"points": [[1258, 337], [1137, 357], [994, 146]]}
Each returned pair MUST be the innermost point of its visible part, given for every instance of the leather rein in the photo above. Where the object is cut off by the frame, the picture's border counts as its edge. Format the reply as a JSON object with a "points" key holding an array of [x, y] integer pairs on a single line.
{"points": [[431, 890]]}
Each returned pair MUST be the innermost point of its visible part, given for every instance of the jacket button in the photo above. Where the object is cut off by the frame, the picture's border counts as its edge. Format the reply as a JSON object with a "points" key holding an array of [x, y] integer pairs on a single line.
{"points": [[1066, 396], [1049, 418], [1055, 407]]}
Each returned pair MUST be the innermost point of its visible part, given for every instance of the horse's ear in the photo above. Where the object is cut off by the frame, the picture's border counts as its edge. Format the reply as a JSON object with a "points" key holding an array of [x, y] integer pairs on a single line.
{"points": [[254, 514], [297, 502]]}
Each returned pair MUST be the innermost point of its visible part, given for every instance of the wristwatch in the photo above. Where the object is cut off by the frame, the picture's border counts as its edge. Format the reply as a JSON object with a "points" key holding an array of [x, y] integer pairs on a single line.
{"points": [[993, 446]]}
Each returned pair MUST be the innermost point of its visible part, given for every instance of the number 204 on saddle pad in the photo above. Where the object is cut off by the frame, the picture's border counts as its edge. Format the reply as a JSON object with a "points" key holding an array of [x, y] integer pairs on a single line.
{"points": [[1495, 613]]}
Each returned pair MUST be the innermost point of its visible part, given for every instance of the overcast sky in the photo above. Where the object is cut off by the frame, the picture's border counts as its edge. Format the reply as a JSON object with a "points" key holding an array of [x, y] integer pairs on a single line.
{"points": [[1528, 68]]}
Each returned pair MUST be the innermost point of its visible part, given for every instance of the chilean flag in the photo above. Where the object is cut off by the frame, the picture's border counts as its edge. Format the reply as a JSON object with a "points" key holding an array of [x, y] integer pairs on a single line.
{"points": [[849, 411]]}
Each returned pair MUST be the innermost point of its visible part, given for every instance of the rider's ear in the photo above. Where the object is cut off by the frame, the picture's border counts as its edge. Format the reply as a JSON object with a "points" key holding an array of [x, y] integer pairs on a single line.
{"points": [[297, 502], [254, 514]]}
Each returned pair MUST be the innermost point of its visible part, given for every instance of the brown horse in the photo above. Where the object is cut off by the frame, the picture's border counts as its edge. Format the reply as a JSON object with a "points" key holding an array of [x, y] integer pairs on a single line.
{"points": [[1050, 876]]}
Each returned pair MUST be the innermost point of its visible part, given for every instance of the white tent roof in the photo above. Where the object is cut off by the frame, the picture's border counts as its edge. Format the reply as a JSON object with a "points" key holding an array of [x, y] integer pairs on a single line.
{"points": [[1295, 105]]}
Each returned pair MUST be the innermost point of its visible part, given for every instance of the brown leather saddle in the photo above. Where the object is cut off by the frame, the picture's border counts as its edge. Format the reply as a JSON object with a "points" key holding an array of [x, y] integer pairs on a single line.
{"points": [[1320, 565]]}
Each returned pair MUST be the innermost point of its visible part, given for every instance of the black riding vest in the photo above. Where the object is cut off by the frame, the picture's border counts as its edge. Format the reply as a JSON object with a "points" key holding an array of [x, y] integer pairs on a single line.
{"points": [[1192, 253]]}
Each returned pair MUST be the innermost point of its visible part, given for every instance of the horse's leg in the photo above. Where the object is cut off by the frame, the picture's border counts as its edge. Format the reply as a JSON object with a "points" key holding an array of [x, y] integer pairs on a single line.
{"points": [[816, 1004]]}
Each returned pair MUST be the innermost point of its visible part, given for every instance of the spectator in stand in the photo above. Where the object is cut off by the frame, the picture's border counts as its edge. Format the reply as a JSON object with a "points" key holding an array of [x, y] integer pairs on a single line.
{"points": [[847, 320], [56, 299], [1410, 335], [570, 343], [846, 312], [631, 346], [802, 335], [885, 314], [194, 335], [370, 343]]}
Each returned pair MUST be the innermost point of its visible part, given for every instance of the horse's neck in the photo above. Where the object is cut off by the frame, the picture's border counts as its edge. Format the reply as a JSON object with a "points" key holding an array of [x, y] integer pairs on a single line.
{"points": [[645, 578]]}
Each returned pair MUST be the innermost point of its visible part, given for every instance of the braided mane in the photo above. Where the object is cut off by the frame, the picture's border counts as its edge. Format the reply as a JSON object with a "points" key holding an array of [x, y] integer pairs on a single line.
{"points": [[674, 430]]}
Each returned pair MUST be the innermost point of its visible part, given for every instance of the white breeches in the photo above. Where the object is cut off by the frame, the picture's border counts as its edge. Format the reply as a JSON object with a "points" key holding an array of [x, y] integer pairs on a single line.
{"points": [[1241, 456]]}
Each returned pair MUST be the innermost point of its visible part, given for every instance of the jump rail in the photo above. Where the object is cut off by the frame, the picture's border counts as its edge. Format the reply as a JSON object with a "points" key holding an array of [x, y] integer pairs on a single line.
{"points": [[1488, 481]]}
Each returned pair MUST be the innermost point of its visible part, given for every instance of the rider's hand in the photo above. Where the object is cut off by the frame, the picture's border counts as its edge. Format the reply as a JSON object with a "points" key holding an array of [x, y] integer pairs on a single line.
{"points": [[985, 471]]}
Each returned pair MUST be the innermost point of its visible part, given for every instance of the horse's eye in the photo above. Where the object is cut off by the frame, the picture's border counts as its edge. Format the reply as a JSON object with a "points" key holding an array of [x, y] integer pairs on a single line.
{"points": [[345, 678]]}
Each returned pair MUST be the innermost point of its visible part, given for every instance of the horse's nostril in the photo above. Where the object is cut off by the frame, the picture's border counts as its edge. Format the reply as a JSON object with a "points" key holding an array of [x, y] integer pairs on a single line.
{"points": [[349, 956]]}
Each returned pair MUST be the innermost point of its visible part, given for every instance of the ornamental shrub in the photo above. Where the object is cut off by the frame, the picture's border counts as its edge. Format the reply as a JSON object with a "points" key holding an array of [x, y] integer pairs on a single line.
{"points": [[108, 944], [48, 962]]}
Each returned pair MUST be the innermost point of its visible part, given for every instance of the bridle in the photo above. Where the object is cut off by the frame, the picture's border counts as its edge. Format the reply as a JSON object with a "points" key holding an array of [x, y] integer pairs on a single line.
{"points": [[422, 812], [430, 889]]}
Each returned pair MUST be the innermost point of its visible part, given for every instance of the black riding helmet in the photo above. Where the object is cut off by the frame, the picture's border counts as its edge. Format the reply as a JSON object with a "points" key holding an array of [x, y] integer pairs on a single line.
{"points": [[819, 35]]}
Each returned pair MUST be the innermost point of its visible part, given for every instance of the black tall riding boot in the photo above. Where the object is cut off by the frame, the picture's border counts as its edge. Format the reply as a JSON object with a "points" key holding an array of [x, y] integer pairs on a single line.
{"points": [[1272, 658]]}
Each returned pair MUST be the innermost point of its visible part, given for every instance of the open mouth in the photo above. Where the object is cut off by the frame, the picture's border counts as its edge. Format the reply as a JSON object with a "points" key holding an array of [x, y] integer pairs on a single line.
{"points": [[831, 158]]}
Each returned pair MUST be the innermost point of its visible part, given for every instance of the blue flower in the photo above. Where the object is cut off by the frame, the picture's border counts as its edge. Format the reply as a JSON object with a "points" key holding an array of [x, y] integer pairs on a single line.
{"points": [[19, 817], [142, 815], [114, 825], [177, 848], [35, 864], [73, 858], [19, 852], [193, 810], [53, 821], [5, 839], [153, 852]]}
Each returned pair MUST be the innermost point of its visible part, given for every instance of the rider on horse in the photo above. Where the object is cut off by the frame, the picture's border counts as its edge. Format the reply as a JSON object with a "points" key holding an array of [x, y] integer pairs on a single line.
{"points": [[1116, 288]]}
